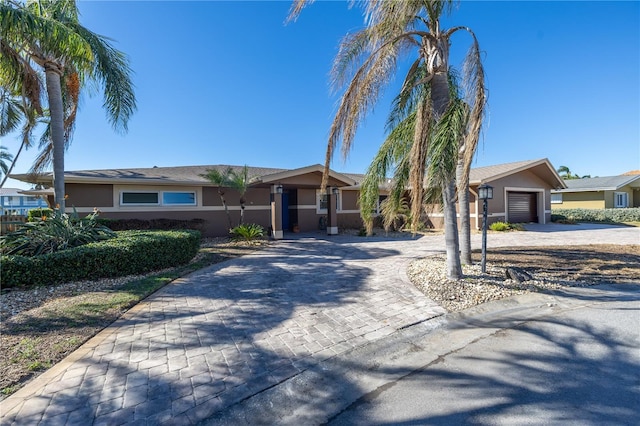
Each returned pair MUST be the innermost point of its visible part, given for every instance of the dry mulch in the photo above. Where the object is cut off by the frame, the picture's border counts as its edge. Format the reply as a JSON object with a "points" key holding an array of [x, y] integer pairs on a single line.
{"points": [[551, 268]]}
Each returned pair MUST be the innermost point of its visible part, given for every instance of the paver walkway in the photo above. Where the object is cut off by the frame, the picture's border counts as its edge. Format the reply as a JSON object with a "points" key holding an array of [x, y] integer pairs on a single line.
{"points": [[222, 334]]}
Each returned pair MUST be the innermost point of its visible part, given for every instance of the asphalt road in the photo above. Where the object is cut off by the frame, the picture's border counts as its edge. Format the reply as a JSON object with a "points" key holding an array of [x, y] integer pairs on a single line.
{"points": [[580, 364]]}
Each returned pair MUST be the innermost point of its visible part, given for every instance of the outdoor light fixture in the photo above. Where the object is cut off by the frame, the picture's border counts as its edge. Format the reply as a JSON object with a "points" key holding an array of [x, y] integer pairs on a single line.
{"points": [[335, 190], [485, 192], [279, 189]]}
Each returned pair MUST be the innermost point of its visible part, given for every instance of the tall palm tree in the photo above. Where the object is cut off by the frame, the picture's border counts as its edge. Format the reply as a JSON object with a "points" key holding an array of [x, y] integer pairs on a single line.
{"points": [[368, 60], [239, 180], [47, 34], [222, 179]]}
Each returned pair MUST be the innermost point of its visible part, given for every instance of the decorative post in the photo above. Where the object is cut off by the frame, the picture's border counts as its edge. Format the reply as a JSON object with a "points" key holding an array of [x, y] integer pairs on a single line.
{"points": [[332, 211], [485, 193], [276, 212]]}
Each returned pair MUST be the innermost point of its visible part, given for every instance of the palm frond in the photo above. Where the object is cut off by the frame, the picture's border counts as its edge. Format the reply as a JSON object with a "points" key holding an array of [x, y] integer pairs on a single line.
{"points": [[111, 68]]}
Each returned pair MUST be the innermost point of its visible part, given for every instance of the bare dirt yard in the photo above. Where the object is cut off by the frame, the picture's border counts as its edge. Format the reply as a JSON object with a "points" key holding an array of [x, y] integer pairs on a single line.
{"points": [[551, 268]]}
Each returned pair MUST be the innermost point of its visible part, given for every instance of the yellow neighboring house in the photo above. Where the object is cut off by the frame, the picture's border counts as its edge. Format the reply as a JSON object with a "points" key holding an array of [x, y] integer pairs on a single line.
{"points": [[598, 193]]}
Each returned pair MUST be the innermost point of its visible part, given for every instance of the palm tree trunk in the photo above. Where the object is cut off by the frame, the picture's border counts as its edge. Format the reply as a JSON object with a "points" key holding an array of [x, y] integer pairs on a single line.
{"points": [[454, 268], [465, 217], [13, 163], [226, 209], [56, 112]]}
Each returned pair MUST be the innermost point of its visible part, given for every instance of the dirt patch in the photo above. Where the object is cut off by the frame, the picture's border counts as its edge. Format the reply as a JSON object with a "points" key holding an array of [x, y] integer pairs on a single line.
{"points": [[551, 268], [593, 264]]}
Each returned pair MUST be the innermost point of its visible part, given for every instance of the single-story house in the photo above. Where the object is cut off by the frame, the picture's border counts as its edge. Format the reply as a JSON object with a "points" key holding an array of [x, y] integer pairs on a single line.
{"points": [[284, 199], [598, 193]]}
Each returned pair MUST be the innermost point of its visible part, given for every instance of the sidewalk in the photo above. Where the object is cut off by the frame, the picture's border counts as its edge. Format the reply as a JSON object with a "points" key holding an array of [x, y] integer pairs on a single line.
{"points": [[219, 336]]}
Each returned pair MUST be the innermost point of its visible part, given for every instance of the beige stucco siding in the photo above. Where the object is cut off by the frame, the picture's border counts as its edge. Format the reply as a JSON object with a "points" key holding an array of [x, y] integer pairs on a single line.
{"points": [[582, 200], [89, 195], [524, 181]]}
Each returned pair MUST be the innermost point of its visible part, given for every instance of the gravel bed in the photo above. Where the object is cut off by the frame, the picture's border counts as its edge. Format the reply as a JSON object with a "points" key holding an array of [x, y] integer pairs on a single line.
{"points": [[429, 276]]}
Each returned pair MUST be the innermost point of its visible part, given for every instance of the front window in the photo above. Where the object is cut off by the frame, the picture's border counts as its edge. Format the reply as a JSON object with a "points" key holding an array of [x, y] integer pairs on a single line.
{"points": [[321, 203], [556, 198], [621, 199], [179, 198], [139, 198]]}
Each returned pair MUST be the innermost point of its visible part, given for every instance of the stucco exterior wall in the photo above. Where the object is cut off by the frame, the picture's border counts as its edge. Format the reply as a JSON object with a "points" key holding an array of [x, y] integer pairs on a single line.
{"points": [[582, 200], [350, 200], [89, 195], [524, 181], [349, 221]]}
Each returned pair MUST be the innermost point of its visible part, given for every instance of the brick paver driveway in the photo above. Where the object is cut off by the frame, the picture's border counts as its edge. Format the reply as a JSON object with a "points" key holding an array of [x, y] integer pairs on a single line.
{"points": [[224, 333]]}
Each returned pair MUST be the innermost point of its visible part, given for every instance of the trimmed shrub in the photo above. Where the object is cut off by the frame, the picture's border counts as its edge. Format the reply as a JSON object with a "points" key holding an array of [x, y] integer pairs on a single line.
{"points": [[247, 232], [132, 252], [596, 215], [158, 224]]}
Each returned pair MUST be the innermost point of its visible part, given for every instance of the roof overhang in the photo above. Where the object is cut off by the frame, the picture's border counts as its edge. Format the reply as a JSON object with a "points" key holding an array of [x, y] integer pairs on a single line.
{"points": [[335, 178], [41, 192], [541, 168]]}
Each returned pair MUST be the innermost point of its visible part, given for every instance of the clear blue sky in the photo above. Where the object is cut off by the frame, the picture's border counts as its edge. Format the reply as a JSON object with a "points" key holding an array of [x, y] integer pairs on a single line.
{"points": [[230, 83]]}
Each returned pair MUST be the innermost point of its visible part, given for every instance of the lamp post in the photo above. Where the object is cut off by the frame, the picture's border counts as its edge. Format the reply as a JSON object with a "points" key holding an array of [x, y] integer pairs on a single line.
{"points": [[485, 192]]}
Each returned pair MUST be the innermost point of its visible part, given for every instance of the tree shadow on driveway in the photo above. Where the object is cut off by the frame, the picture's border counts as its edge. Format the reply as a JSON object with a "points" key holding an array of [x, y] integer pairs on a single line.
{"points": [[214, 338]]}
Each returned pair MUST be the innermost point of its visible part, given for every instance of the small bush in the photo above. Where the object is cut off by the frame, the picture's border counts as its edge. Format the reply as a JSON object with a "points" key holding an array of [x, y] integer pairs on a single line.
{"points": [[505, 226], [499, 226], [132, 252], [35, 215], [247, 232], [596, 215]]}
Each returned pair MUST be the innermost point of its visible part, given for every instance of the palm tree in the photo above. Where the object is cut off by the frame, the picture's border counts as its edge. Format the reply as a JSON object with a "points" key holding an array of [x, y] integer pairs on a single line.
{"points": [[5, 156], [222, 180], [48, 34], [240, 182], [566, 174], [18, 112], [445, 131]]}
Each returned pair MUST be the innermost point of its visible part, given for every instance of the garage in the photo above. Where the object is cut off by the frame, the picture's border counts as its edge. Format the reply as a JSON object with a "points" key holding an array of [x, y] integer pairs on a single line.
{"points": [[523, 207]]}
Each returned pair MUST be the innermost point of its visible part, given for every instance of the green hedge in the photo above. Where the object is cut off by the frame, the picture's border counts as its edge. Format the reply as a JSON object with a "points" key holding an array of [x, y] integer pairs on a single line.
{"points": [[132, 252], [152, 224], [597, 215], [36, 214]]}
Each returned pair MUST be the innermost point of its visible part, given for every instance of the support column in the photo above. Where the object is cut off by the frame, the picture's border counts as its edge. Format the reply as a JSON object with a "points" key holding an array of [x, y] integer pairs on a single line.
{"points": [[276, 212], [332, 211]]}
